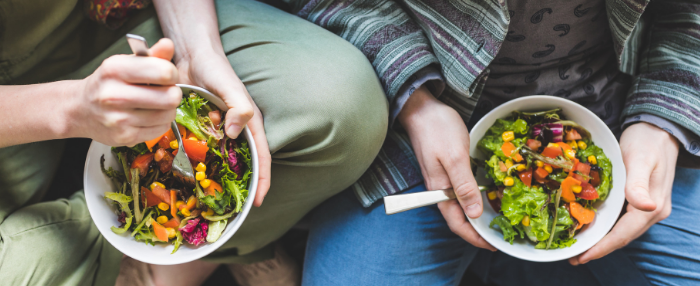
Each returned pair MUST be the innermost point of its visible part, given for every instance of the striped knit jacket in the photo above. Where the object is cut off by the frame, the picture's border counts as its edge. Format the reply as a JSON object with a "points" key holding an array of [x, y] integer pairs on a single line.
{"points": [[658, 43]]}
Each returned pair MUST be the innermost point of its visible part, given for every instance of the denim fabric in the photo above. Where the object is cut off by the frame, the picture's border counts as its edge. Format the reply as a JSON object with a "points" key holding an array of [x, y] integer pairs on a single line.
{"points": [[351, 245]]}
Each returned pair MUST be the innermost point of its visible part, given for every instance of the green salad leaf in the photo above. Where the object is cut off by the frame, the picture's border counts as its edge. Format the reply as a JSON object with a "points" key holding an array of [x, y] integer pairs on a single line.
{"points": [[509, 231], [521, 200], [215, 230], [187, 115]]}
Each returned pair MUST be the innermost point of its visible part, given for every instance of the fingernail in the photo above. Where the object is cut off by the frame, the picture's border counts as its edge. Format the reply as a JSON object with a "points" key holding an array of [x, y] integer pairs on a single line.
{"points": [[233, 130], [473, 211]]}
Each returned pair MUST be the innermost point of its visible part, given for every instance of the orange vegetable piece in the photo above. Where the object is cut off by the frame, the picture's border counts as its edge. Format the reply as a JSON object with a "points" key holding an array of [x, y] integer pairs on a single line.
{"points": [[567, 192], [164, 141], [163, 194], [183, 130], [517, 157], [159, 230], [552, 152], [152, 142], [142, 162], [502, 166], [173, 223], [173, 200], [583, 215], [540, 174], [196, 150], [564, 145], [149, 198], [215, 187], [508, 148], [534, 144], [584, 169]]}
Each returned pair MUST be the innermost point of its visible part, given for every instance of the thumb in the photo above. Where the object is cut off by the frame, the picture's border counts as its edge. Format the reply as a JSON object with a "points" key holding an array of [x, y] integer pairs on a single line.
{"points": [[637, 188], [164, 49]]}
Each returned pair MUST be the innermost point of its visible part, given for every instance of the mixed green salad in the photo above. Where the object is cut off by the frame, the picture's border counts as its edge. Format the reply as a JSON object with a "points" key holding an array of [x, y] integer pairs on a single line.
{"points": [[547, 174], [155, 207]]}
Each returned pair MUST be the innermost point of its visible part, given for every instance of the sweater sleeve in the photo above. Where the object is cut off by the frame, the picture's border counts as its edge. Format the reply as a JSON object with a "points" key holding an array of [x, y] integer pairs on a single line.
{"points": [[668, 81], [394, 44]]}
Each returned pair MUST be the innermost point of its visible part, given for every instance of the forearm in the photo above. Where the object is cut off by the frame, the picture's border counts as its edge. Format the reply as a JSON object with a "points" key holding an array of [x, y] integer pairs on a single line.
{"points": [[191, 25], [37, 112]]}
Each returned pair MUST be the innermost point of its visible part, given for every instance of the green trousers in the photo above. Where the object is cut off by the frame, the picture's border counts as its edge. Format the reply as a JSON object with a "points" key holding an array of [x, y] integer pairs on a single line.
{"points": [[325, 118]]}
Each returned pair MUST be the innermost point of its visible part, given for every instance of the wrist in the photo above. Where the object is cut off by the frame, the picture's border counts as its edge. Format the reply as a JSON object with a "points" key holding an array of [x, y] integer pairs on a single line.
{"points": [[416, 106], [67, 120]]}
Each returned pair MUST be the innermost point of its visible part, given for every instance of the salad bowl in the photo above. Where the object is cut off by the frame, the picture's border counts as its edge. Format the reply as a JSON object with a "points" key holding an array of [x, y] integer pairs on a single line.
{"points": [[102, 211], [606, 212]]}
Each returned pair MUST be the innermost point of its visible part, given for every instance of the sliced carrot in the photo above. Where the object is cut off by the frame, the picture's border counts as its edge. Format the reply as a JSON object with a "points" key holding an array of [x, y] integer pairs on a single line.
{"points": [[564, 145], [172, 223], [160, 231], [163, 194], [517, 157], [583, 215], [215, 187], [508, 148], [567, 192], [191, 202], [152, 142], [173, 200], [166, 138], [183, 130], [149, 198]]}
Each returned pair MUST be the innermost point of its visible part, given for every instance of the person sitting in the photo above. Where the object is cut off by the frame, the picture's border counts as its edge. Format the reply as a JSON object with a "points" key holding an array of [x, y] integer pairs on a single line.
{"points": [[312, 101]]}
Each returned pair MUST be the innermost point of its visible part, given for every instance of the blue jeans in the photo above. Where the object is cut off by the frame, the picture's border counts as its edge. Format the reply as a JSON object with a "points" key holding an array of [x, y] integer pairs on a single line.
{"points": [[351, 245]]}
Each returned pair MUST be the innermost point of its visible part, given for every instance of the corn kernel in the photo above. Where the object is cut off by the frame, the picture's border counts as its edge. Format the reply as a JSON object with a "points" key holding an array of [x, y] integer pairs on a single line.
{"points": [[572, 143], [163, 206], [185, 212], [576, 189], [553, 145], [548, 168], [582, 145], [508, 181], [209, 212], [570, 153], [508, 136], [200, 176], [492, 195], [171, 232], [154, 184], [526, 221], [592, 160], [162, 219], [539, 163], [201, 167], [174, 145], [178, 204], [509, 163], [205, 183], [520, 167], [193, 138]]}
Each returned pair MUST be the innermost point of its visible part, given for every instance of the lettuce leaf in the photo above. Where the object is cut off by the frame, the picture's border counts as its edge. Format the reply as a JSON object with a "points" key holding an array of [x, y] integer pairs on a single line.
{"points": [[494, 172], [508, 230], [188, 116], [521, 200], [123, 201], [215, 230]]}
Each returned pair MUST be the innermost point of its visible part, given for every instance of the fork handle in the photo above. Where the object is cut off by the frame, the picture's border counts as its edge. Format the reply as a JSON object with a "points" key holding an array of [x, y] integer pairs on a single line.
{"points": [[403, 202]]}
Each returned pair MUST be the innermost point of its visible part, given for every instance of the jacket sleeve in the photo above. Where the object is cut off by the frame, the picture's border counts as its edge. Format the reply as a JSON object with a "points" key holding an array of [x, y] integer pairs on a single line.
{"points": [[394, 44], [668, 80]]}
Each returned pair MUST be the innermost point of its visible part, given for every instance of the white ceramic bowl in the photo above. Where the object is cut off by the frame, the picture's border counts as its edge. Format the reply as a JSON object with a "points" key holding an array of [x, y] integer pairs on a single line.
{"points": [[103, 213], [608, 210]]}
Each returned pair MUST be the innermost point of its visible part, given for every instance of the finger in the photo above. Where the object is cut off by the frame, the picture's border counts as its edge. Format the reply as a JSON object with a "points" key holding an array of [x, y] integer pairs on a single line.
{"points": [[463, 183], [151, 117], [633, 224], [127, 96], [240, 110], [163, 49], [264, 158], [140, 70], [637, 189], [457, 222]]}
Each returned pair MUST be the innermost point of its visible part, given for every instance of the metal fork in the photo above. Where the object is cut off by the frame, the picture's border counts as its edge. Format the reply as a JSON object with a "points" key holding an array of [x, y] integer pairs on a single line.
{"points": [[182, 168]]}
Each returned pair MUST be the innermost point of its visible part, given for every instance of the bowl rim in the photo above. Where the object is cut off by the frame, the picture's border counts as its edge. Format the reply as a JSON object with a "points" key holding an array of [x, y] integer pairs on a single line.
{"points": [[233, 224], [616, 208]]}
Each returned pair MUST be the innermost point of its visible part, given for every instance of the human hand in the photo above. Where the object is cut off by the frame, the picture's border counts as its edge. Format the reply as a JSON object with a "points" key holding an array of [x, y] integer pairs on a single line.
{"points": [[440, 140], [649, 154], [213, 72], [116, 106]]}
